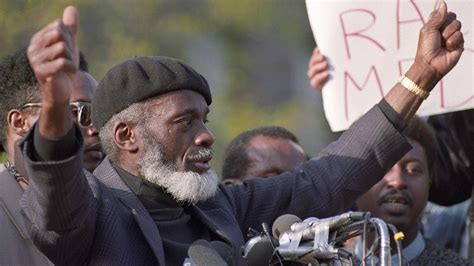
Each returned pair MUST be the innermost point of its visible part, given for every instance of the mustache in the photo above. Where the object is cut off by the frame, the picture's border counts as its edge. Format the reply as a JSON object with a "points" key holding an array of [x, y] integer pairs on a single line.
{"points": [[203, 154], [395, 193], [93, 146]]}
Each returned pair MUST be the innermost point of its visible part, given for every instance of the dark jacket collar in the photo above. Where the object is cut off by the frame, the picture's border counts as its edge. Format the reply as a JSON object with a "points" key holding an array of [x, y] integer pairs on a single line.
{"points": [[109, 177]]}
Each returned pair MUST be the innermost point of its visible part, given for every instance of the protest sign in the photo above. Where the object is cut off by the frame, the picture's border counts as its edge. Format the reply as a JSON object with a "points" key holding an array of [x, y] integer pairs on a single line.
{"points": [[370, 44]]}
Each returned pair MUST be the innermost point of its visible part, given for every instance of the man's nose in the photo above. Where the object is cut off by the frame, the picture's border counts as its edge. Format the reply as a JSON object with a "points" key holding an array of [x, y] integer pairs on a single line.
{"points": [[90, 131], [395, 178], [204, 138]]}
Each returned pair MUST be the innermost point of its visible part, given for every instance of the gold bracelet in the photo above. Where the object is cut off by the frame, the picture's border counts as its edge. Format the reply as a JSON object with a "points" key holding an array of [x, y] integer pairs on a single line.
{"points": [[413, 87]]}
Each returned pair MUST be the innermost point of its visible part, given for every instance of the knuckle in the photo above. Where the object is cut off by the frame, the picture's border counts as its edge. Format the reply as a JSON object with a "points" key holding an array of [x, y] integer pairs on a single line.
{"points": [[61, 47], [55, 34], [61, 62], [450, 42], [458, 24]]}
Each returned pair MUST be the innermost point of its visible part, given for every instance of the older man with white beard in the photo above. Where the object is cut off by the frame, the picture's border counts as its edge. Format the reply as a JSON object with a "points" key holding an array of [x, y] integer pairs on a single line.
{"points": [[155, 194]]}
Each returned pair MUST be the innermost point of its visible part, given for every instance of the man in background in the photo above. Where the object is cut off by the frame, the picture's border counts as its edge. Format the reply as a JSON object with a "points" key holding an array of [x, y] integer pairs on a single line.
{"points": [[261, 152], [401, 196], [20, 98]]}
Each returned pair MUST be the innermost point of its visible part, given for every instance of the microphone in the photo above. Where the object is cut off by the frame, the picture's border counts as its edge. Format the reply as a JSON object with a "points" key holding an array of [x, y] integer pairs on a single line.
{"points": [[315, 241], [224, 250], [260, 249], [311, 226], [312, 239], [283, 224], [202, 253]]}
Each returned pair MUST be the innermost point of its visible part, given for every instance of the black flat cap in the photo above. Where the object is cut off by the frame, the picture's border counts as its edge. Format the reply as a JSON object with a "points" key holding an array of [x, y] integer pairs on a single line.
{"points": [[139, 79]]}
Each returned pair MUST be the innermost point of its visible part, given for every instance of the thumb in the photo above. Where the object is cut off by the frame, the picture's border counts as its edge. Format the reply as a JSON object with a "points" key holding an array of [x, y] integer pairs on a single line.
{"points": [[437, 18], [71, 19]]}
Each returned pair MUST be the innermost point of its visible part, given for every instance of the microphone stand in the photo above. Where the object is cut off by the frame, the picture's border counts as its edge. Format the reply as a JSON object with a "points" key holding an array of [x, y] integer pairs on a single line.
{"points": [[318, 240]]}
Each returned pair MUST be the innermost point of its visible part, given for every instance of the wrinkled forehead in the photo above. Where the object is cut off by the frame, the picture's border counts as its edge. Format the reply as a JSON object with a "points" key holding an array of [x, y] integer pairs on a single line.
{"points": [[179, 102]]}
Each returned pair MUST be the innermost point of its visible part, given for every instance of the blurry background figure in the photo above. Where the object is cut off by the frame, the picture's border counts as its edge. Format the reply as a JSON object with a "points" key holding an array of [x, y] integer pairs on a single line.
{"points": [[451, 227], [400, 197], [19, 109], [261, 152], [448, 226]]}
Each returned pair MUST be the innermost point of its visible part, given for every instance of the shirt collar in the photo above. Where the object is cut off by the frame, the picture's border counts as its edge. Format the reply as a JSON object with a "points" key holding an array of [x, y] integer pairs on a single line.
{"points": [[409, 253], [413, 250]]}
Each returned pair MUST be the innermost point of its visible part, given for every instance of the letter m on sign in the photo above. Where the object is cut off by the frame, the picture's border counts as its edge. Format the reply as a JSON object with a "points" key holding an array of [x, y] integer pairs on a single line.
{"points": [[349, 79]]}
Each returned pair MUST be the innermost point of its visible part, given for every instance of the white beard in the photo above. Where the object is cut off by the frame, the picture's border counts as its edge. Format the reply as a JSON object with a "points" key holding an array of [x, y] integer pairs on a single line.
{"points": [[190, 187]]}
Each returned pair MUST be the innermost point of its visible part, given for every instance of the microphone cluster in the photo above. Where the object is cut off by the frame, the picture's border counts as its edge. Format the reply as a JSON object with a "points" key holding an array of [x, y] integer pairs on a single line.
{"points": [[318, 241]]}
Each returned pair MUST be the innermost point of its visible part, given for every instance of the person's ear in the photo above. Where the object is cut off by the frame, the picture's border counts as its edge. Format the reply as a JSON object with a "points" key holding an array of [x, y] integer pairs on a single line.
{"points": [[18, 122], [126, 137]]}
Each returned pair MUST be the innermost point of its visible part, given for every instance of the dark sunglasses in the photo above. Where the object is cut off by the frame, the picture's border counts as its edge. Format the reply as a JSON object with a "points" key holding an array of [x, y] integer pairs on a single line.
{"points": [[82, 111]]}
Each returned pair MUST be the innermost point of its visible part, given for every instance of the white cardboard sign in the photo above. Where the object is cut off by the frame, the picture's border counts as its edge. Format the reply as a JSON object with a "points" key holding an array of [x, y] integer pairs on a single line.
{"points": [[371, 43]]}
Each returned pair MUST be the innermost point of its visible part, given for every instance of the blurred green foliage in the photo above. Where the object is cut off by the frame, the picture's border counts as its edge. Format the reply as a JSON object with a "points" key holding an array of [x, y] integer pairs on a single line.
{"points": [[254, 53]]}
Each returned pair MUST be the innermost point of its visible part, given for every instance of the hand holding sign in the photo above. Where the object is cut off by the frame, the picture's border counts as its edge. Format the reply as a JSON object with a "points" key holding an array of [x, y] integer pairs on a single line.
{"points": [[370, 44], [318, 73]]}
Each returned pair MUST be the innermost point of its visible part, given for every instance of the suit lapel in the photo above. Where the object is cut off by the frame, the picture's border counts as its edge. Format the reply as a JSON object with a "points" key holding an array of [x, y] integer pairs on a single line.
{"points": [[107, 174], [209, 222], [221, 223]]}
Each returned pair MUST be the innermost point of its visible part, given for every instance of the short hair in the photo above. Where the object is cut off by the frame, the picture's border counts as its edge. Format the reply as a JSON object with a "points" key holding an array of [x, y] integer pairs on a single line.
{"points": [[421, 132], [136, 114], [236, 159], [18, 86]]}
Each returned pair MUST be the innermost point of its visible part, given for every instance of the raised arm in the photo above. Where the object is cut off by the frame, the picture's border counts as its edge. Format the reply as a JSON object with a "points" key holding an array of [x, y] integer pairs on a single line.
{"points": [[59, 205], [440, 46], [54, 57]]}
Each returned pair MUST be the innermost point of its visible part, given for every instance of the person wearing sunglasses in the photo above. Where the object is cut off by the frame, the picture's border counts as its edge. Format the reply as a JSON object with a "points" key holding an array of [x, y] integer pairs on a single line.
{"points": [[20, 105], [81, 112]]}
